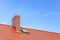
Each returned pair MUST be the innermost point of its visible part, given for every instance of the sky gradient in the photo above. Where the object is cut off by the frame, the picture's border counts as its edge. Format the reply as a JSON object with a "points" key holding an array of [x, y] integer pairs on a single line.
{"points": [[35, 14]]}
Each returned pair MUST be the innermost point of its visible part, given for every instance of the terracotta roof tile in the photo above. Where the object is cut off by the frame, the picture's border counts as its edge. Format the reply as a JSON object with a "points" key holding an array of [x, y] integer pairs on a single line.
{"points": [[8, 33]]}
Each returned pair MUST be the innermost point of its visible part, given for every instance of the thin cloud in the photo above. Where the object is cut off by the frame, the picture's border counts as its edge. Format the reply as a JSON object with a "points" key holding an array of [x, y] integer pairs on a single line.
{"points": [[25, 26], [3, 23]]}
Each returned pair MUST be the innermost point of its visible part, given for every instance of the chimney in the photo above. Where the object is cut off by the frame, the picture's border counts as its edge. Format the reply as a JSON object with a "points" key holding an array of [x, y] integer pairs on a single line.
{"points": [[16, 23]]}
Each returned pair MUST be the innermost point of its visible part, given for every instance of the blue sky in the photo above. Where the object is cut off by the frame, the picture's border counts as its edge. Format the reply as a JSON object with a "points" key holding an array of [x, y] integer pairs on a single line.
{"points": [[36, 14]]}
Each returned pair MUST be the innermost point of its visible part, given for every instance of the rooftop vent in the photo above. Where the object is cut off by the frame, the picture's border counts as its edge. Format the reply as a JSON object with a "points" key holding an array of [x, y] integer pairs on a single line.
{"points": [[25, 31]]}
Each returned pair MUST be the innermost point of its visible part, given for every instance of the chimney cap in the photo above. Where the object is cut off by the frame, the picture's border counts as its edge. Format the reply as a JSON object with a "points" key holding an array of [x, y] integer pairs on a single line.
{"points": [[17, 15]]}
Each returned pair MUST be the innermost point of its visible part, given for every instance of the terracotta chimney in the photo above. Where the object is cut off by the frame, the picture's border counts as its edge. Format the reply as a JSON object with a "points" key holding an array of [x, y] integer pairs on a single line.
{"points": [[16, 23]]}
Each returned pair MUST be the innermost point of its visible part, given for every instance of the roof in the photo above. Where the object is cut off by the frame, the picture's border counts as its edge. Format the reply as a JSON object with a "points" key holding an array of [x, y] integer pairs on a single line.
{"points": [[8, 33]]}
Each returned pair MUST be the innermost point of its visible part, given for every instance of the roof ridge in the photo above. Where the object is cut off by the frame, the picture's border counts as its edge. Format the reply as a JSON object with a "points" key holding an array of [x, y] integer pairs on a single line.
{"points": [[5, 25], [40, 30], [32, 29]]}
